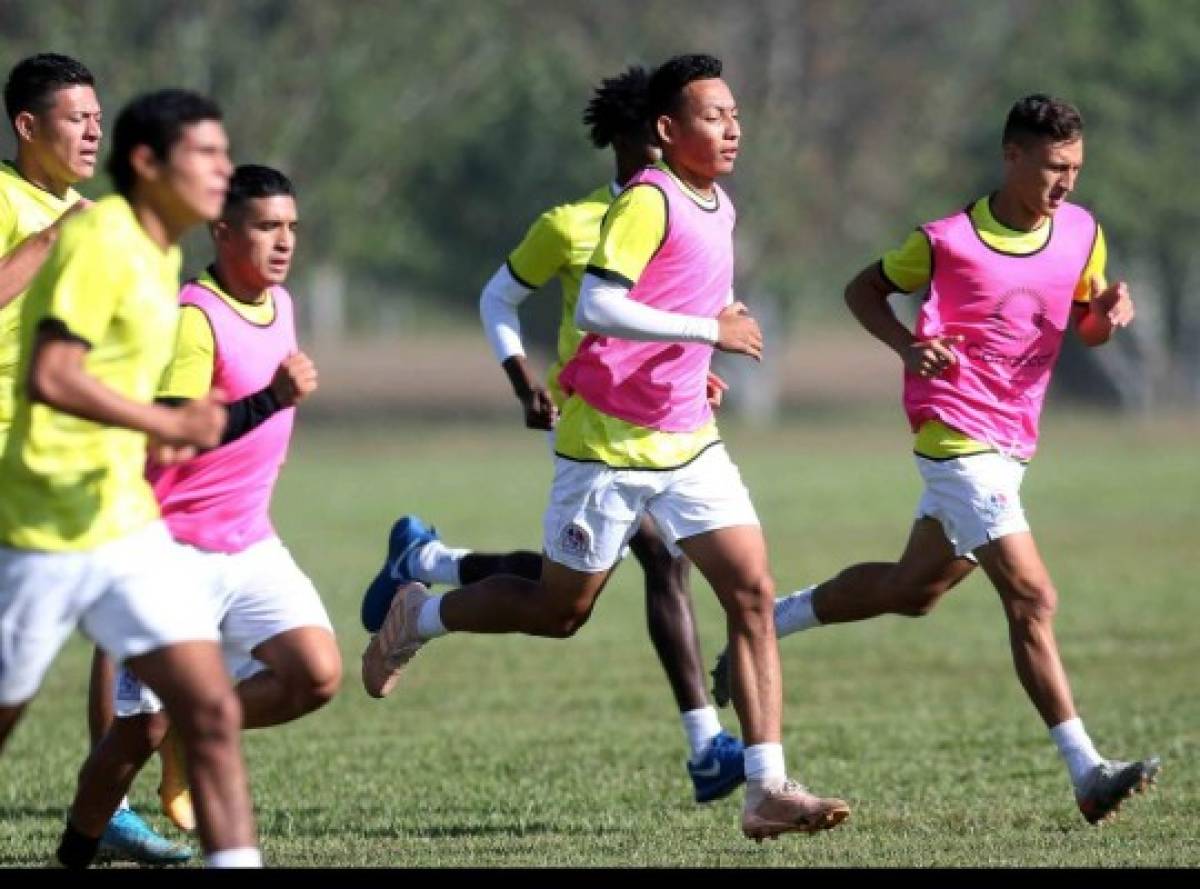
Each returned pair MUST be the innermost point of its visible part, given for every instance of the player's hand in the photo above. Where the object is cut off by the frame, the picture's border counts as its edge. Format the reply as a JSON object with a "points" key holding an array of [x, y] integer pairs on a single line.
{"points": [[164, 454], [1113, 303], [197, 423], [932, 357], [540, 409], [715, 389], [294, 380], [737, 332]]}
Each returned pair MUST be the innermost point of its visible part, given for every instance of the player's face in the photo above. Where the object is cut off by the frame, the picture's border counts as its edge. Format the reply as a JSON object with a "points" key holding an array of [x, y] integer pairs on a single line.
{"points": [[703, 136], [1043, 173], [66, 136], [261, 242], [198, 169]]}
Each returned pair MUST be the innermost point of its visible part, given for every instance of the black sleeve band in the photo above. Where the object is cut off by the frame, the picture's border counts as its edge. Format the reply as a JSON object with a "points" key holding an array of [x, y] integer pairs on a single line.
{"points": [[609, 275], [245, 414], [896, 288], [249, 413], [56, 329], [518, 278]]}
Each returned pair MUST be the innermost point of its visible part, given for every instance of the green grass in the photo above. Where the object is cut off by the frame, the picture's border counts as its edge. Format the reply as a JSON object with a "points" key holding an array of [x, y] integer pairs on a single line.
{"points": [[511, 751]]}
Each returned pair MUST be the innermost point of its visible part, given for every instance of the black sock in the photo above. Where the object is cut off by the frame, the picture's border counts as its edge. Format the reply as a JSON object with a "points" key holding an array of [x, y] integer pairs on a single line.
{"points": [[76, 850]]}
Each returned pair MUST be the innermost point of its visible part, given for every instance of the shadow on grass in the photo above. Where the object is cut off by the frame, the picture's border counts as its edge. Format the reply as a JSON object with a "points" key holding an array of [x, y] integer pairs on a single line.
{"points": [[314, 823]]}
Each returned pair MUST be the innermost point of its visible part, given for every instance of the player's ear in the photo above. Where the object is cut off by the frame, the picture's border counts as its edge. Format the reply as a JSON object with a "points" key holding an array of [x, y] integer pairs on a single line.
{"points": [[26, 125], [144, 164], [664, 128]]}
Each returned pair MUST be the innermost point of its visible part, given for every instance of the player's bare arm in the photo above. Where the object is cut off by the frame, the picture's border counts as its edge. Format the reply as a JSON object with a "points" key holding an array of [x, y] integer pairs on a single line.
{"points": [[540, 410], [867, 298], [57, 377], [19, 266]]}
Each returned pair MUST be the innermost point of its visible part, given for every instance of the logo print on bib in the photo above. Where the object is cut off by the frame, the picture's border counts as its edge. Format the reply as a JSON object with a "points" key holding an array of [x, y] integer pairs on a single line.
{"points": [[1020, 315]]}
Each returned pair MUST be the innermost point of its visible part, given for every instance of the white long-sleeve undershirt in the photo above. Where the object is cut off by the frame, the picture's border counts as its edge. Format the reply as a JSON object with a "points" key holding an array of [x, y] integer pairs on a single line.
{"points": [[498, 304], [604, 307]]}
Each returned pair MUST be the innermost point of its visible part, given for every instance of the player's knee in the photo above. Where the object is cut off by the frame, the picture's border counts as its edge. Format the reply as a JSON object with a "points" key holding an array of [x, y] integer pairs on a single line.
{"points": [[215, 718], [755, 602], [322, 685], [919, 600], [567, 621], [139, 736], [567, 626], [157, 726], [1035, 602]]}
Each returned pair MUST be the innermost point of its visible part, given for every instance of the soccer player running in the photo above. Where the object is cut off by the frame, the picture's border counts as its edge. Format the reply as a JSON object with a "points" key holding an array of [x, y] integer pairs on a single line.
{"points": [[81, 543], [637, 436], [236, 335], [52, 107], [560, 243], [1006, 276]]}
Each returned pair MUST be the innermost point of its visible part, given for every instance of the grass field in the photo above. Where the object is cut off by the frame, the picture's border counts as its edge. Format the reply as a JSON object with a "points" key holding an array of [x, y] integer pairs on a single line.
{"points": [[514, 751]]}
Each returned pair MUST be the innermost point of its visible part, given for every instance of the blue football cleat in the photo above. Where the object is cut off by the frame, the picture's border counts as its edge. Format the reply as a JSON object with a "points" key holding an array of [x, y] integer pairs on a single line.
{"points": [[128, 838], [407, 536], [721, 770]]}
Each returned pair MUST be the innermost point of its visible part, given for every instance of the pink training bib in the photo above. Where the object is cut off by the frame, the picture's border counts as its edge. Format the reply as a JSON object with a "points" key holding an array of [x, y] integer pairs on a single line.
{"points": [[1012, 311], [653, 384], [221, 500]]}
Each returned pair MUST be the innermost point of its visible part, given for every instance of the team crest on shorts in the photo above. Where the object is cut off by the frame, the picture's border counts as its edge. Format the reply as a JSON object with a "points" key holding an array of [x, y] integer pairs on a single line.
{"points": [[128, 686], [575, 539], [995, 504]]}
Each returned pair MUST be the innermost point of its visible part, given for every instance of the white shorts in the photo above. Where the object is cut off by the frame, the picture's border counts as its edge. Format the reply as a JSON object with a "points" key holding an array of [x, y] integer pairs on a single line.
{"points": [[131, 596], [977, 499], [595, 509], [256, 595]]}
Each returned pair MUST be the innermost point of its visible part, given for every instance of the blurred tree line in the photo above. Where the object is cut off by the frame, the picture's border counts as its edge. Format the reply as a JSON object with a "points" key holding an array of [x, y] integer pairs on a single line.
{"points": [[425, 135]]}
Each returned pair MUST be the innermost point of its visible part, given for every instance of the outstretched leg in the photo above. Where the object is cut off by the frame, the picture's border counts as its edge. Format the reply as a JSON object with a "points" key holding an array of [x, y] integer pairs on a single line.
{"points": [[927, 569], [1017, 571], [555, 606], [416, 553]]}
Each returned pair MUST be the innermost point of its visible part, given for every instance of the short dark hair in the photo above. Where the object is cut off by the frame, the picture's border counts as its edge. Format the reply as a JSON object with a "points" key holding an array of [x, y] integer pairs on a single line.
{"points": [[252, 181], [1042, 117], [669, 79], [155, 120], [618, 107], [33, 82]]}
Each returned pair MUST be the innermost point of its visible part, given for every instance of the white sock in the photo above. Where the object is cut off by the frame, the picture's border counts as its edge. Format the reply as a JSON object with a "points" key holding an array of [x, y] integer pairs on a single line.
{"points": [[795, 613], [765, 768], [429, 621], [701, 726], [1076, 749], [124, 803], [247, 856], [437, 563]]}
